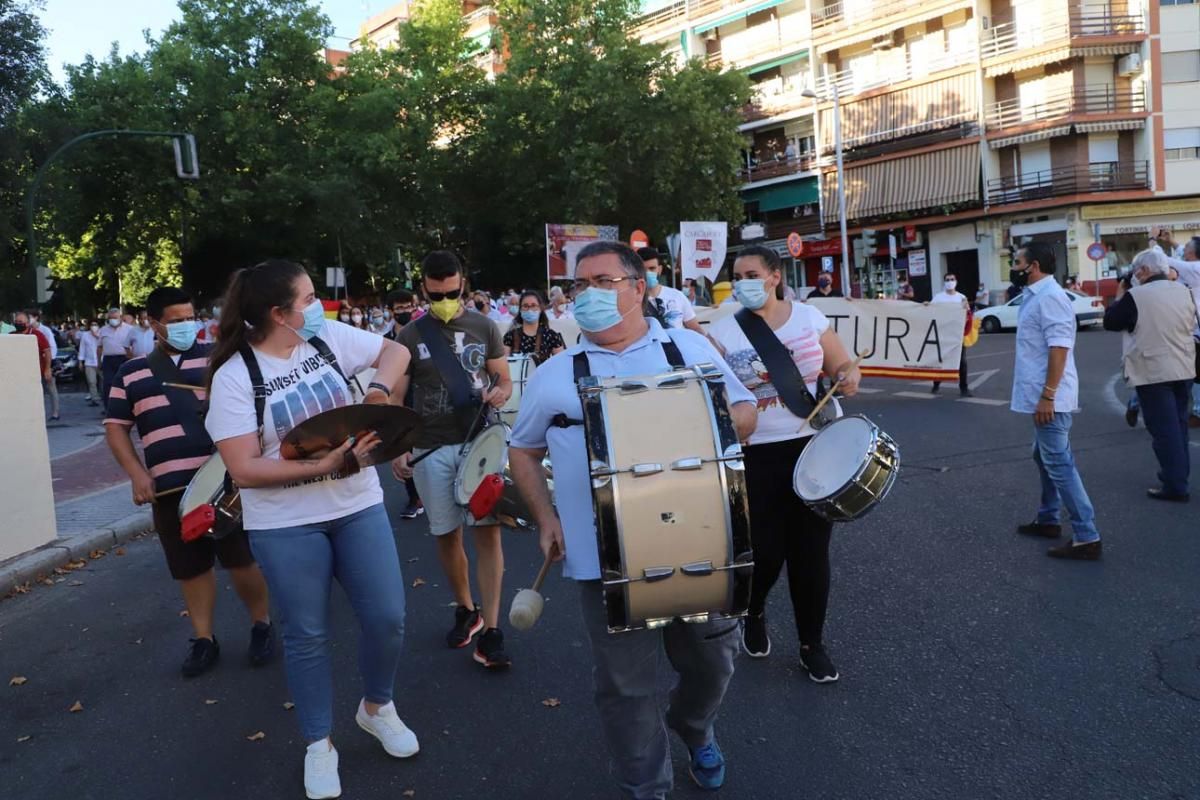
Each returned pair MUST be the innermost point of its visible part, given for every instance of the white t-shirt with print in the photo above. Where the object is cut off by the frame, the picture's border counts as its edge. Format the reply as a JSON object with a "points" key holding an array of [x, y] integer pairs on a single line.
{"points": [[801, 335], [298, 387], [677, 309]]}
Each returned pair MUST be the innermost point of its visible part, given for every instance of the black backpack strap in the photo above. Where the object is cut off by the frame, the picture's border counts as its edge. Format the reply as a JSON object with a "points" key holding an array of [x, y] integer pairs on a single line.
{"points": [[183, 401], [788, 381], [330, 359], [454, 377], [674, 357], [257, 382]]}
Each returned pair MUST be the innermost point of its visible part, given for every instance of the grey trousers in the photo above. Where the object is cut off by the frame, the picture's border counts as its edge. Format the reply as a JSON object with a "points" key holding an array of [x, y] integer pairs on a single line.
{"points": [[625, 669]]}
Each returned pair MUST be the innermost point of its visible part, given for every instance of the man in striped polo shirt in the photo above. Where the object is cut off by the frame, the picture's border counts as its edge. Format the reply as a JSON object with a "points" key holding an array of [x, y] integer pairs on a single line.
{"points": [[174, 450]]}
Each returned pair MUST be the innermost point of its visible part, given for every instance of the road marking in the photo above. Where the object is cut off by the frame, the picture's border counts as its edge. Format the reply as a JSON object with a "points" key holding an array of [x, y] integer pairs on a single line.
{"points": [[917, 395], [975, 356], [980, 378], [982, 401], [865, 390]]}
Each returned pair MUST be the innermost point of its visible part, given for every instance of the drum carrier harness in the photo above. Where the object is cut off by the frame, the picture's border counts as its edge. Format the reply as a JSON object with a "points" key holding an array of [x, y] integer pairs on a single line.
{"points": [[583, 369]]}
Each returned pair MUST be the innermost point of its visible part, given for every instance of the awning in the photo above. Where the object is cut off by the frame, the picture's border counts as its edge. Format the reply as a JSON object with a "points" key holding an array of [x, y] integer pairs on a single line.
{"points": [[785, 195], [1032, 136], [1110, 125], [726, 19], [778, 62], [930, 106], [927, 181], [1028, 62]]}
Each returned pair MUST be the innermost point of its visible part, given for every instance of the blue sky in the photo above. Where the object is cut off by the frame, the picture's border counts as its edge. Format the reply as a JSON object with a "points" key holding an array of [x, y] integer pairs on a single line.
{"points": [[79, 27]]}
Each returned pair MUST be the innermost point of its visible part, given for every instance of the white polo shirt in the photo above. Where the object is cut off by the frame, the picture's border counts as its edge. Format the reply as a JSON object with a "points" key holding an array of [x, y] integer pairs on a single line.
{"points": [[551, 391]]}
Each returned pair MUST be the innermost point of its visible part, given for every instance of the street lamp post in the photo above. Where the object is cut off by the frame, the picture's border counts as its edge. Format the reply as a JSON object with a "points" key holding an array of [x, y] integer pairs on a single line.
{"points": [[841, 186]]}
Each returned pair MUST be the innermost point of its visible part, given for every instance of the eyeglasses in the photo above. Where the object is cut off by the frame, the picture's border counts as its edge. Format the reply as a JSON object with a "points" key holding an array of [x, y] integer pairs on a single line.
{"points": [[453, 294], [603, 282]]}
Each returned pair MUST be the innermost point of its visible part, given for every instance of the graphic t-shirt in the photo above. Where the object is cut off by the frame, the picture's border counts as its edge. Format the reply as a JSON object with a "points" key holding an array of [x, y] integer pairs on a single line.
{"points": [[298, 387], [551, 341], [474, 339], [674, 306], [801, 335]]}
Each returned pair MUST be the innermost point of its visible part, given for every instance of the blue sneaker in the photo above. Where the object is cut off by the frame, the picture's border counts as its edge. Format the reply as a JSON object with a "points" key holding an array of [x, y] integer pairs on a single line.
{"points": [[708, 766]]}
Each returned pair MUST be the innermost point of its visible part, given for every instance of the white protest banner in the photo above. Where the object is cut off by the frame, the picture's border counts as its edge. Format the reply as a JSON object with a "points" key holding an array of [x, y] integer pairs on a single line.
{"points": [[703, 248], [902, 339]]}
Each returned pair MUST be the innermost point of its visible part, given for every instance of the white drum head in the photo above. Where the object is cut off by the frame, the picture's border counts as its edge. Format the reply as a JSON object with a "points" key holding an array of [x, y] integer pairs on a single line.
{"points": [[833, 456], [520, 367], [486, 455], [204, 485]]}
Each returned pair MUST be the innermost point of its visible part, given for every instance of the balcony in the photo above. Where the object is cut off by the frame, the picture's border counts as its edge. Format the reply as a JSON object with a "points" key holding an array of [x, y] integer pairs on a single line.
{"points": [[1103, 177], [773, 99], [832, 17], [850, 83], [1006, 37], [780, 167], [754, 45], [1096, 100], [684, 13]]}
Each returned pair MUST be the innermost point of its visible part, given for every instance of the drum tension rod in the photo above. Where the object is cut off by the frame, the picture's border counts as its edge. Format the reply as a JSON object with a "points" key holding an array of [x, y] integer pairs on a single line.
{"points": [[699, 569], [649, 575]]}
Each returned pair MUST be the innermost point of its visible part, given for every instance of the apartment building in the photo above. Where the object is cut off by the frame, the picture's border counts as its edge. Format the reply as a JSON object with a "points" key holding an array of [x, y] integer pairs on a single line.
{"points": [[968, 126], [383, 30]]}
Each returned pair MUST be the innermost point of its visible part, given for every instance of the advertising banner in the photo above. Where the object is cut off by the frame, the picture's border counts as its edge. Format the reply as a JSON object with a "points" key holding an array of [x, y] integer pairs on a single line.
{"points": [[563, 242]]}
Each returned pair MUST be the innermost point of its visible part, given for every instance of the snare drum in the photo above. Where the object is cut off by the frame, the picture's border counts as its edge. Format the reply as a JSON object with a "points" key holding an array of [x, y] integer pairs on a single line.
{"points": [[486, 454], [520, 367], [209, 496], [847, 469], [669, 491]]}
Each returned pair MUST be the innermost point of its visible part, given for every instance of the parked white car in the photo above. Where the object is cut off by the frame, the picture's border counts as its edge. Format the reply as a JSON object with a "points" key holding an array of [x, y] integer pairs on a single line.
{"points": [[1088, 311]]}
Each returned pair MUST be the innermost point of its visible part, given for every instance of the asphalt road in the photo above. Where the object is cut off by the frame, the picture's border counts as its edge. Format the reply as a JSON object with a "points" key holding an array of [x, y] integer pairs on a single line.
{"points": [[972, 665]]}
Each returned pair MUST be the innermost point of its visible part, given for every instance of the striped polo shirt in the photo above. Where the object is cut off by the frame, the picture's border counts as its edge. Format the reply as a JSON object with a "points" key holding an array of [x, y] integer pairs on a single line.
{"points": [[138, 397]]}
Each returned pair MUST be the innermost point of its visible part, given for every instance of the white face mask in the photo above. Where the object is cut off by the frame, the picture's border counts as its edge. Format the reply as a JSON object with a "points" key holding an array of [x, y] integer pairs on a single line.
{"points": [[950, 285]]}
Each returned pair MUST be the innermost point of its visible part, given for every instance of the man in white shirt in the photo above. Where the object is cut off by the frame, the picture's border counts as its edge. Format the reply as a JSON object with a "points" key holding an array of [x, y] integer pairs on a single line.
{"points": [[950, 294], [116, 347], [89, 360], [143, 337], [51, 385], [672, 305]]}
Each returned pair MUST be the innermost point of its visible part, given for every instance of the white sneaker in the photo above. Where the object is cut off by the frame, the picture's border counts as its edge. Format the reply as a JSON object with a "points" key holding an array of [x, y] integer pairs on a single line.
{"points": [[389, 729], [321, 771]]}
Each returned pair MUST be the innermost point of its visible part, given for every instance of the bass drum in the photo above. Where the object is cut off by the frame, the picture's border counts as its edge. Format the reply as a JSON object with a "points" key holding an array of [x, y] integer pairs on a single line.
{"points": [[520, 368]]}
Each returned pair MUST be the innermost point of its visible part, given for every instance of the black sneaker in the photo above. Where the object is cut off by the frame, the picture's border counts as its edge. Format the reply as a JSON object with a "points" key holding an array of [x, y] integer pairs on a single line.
{"points": [[816, 662], [467, 623], [201, 657], [489, 651], [262, 643], [412, 511], [755, 639], [1046, 530]]}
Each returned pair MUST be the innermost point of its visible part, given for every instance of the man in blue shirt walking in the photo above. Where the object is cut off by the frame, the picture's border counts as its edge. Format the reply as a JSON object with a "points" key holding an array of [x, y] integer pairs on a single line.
{"points": [[1046, 385]]}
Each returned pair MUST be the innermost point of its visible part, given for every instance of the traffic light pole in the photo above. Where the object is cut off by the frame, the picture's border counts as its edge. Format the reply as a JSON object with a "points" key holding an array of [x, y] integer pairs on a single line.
{"points": [[191, 171]]}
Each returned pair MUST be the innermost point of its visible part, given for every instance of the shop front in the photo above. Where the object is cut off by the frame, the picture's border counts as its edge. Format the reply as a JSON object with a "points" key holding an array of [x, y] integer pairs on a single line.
{"points": [[1125, 229]]}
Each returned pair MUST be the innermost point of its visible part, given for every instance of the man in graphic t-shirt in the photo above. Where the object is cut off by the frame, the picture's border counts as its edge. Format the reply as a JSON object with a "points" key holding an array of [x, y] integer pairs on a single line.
{"points": [[475, 343], [673, 307]]}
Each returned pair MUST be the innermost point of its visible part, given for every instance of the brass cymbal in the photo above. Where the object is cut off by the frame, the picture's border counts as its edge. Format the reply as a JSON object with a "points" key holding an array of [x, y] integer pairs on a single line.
{"points": [[396, 426]]}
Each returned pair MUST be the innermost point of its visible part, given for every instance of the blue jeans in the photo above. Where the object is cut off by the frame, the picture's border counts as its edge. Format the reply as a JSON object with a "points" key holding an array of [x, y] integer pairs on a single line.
{"points": [[1061, 484], [300, 564], [1165, 408]]}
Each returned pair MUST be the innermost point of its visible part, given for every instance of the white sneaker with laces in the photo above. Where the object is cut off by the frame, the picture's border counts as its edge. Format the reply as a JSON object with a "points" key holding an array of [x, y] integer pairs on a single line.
{"points": [[321, 771], [389, 729]]}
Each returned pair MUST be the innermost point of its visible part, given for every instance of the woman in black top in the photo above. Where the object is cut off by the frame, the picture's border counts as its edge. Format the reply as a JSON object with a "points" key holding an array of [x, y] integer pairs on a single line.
{"points": [[531, 332]]}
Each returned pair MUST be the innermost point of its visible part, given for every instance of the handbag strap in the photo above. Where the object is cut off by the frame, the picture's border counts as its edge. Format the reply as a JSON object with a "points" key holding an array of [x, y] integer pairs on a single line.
{"points": [[183, 401], [258, 384], [453, 376], [786, 377]]}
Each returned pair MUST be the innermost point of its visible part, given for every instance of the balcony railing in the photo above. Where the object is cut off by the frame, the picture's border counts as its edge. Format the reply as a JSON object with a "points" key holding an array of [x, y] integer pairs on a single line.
{"points": [[833, 15], [681, 13], [778, 167], [1103, 177], [743, 49], [1005, 37], [771, 100], [1095, 100], [849, 84]]}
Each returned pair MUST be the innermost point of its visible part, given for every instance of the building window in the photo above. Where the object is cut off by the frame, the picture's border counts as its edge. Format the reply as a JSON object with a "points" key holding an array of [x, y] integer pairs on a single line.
{"points": [[1181, 144], [1182, 153], [1181, 67], [1175, 2]]}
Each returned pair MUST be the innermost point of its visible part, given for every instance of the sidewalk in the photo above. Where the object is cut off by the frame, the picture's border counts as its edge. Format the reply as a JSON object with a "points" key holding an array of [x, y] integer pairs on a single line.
{"points": [[92, 499]]}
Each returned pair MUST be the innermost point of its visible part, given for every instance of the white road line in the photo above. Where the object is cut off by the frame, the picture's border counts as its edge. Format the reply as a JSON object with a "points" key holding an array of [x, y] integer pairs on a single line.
{"points": [[982, 401], [974, 356], [917, 395], [980, 378], [865, 390]]}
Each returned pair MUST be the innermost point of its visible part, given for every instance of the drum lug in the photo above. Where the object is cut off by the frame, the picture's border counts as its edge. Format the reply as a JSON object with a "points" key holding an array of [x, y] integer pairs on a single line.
{"points": [[695, 619], [695, 462], [633, 387], [649, 575], [673, 382], [697, 569], [642, 470]]}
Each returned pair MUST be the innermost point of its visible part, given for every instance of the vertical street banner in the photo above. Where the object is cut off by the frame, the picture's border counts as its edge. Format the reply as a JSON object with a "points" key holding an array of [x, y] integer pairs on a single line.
{"points": [[902, 339], [563, 243], [702, 248]]}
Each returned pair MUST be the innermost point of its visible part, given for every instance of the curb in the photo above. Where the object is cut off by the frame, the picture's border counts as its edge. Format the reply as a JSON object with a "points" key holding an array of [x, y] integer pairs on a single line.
{"points": [[23, 568]]}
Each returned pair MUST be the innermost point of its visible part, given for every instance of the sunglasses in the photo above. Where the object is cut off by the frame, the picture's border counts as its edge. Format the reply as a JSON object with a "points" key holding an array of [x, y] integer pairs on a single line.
{"points": [[453, 294]]}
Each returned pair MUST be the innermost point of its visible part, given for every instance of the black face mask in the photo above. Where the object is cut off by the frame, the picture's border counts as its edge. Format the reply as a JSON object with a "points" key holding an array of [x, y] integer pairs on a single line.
{"points": [[20, 326], [479, 305], [402, 317], [1018, 277]]}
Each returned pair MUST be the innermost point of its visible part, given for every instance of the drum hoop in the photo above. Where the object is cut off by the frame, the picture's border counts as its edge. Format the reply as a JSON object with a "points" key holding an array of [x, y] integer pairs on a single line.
{"points": [[719, 446], [867, 457], [466, 457], [615, 494], [212, 497]]}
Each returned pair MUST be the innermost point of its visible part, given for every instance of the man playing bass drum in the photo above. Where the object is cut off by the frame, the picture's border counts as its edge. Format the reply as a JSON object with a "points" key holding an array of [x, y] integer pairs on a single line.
{"points": [[778, 350]]}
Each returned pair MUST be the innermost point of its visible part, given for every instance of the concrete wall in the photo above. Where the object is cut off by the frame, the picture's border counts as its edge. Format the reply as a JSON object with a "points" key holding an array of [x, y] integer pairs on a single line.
{"points": [[26, 493]]}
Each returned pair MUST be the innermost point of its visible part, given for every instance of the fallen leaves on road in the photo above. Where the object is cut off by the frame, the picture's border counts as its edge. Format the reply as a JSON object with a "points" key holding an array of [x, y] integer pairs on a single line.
{"points": [[45, 580], [288, 706], [75, 583], [184, 613], [256, 737], [18, 680], [137, 641], [210, 702], [120, 551], [75, 709], [409, 792], [74, 565], [418, 582], [21, 588], [552, 702], [95, 554], [23, 739]]}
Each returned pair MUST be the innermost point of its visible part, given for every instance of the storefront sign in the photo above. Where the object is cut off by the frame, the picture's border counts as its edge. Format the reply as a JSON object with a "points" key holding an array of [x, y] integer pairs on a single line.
{"points": [[1148, 208], [916, 264], [901, 339], [1187, 225], [823, 247]]}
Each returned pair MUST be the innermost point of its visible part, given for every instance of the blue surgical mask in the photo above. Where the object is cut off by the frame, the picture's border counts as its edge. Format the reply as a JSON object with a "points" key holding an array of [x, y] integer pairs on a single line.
{"points": [[751, 293], [651, 280], [181, 335], [596, 309], [530, 316], [314, 320]]}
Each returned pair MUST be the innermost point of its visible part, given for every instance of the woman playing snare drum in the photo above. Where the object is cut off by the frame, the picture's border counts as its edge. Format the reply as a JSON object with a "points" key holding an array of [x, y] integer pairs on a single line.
{"points": [[784, 529], [531, 333]]}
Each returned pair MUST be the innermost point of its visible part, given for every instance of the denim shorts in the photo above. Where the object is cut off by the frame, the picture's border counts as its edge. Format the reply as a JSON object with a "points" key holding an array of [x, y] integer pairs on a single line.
{"points": [[435, 477]]}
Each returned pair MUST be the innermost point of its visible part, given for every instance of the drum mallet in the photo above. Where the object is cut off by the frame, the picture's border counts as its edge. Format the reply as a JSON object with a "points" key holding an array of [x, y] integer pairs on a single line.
{"points": [[817, 409], [528, 604]]}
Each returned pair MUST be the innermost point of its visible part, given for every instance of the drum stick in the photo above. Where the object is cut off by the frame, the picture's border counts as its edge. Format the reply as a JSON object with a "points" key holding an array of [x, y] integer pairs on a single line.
{"points": [[545, 570], [184, 386], [166, 492], [817, 410]]}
